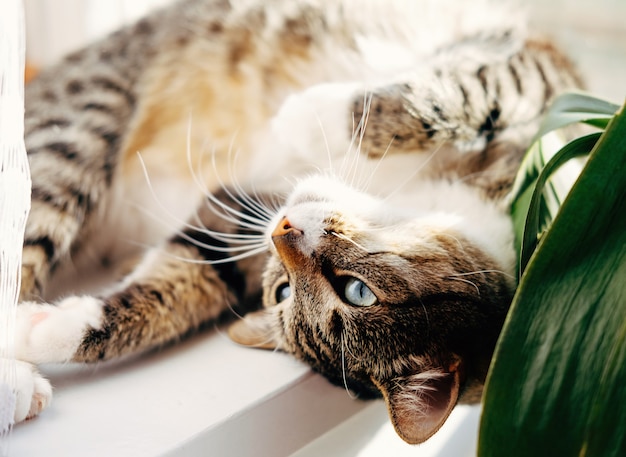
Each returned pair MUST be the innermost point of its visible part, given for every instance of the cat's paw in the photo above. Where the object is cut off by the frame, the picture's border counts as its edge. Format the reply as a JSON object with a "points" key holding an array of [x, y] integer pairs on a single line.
{"points": [[53, 333], [317, 122], [32, 393]]}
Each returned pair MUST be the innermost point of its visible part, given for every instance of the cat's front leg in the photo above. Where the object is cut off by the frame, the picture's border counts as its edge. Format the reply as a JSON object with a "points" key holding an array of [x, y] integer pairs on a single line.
{"points": [[174, 290], [47, 333], [171, 293]]}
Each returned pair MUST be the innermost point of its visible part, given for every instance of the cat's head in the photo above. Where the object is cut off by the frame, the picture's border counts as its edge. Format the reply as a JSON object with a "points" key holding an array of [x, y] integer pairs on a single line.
{"points": [[380, 301]]}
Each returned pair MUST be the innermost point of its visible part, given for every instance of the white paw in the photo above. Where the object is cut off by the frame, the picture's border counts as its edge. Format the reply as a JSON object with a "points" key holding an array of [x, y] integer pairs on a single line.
{"points": [[312, 131], [27, 394], [53, 333], [316, 123]]}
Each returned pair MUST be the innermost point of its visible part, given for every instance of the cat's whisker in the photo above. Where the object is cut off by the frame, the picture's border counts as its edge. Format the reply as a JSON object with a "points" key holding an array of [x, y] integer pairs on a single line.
{"points": [[348, 165], [426, 317], [343, 367], [242, 196], [252, 224], [254, 205], [239, 215], [179, 222], [171, 227], [357, 137], [412, 176], [249, 241], [353, 355], [227, 213], [252, 252], [194, 174], [276, 202], [366, 179], [346, 238], [234, 238], [326, 144], [212, 247], [343, 167], [232, 215], [465, 281], [373, 172], [483, 271]]}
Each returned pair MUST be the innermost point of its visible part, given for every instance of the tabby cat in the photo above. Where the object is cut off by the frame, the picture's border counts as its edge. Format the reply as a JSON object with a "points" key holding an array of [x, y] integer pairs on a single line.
{"points": [[344, 162]]}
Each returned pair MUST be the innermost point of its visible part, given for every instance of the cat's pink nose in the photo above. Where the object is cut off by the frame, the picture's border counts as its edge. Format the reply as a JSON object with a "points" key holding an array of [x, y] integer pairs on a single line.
{"points": [[287, 240], [284, 227]]}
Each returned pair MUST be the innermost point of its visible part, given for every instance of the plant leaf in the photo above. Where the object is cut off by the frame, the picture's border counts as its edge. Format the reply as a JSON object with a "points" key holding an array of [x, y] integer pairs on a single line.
{"points": [[566, 109], [576, 107], [556, 382], [537, 221]]}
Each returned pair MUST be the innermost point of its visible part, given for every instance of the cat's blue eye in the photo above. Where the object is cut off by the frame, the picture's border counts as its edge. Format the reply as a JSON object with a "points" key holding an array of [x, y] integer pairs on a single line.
{"points": [[283, 292], [358, 294]]}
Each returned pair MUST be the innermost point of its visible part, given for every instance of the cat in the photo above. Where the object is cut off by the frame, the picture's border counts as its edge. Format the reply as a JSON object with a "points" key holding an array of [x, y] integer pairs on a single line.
{"points": [[344, 163]]}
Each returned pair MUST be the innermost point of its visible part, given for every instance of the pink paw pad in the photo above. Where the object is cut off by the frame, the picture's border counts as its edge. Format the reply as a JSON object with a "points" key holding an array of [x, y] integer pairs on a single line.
{"points": [[38, 317]]}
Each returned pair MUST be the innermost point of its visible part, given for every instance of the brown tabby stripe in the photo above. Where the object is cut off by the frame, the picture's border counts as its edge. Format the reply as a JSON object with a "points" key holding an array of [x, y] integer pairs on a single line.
{"points": [[45, 243], [472, 109]]}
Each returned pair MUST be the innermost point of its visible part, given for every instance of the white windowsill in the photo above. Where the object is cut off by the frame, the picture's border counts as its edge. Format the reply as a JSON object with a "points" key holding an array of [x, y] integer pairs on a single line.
{"points": [[205, 396]]}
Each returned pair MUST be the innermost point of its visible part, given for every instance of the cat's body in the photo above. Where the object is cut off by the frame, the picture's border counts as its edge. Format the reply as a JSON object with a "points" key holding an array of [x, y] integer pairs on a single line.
{"points": [[402, 122]]}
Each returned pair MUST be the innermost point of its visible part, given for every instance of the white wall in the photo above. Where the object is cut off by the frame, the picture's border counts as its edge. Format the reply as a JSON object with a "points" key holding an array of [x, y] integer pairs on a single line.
{"points": [[56, 27]]}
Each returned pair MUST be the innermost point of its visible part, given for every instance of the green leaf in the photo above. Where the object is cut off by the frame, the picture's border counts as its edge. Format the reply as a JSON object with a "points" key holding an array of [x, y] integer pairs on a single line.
{"points": [[536, 223], [577, 107], [540, 164], [526, 180], [556, 384]]}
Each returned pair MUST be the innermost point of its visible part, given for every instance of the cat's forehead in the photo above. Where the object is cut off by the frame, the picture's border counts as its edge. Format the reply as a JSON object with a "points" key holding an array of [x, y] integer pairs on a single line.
{"points": [[332, 214], [325, 188], [329, 199]]}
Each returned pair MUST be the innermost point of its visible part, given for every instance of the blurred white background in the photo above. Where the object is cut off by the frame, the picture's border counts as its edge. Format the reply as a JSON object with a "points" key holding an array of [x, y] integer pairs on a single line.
{"points": [[593, 32]]}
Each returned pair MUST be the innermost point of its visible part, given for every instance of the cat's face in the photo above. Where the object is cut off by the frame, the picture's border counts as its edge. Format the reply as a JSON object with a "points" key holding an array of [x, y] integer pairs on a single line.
{"points": [[380, 301]]}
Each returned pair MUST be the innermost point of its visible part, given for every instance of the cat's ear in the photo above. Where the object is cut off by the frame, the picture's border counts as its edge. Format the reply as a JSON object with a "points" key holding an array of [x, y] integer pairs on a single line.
{"points": [[419, 404], [255, 329]]}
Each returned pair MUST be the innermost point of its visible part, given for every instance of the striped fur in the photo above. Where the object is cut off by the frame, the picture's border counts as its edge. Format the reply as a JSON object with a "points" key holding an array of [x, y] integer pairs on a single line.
{"points": [[427, 105]]}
